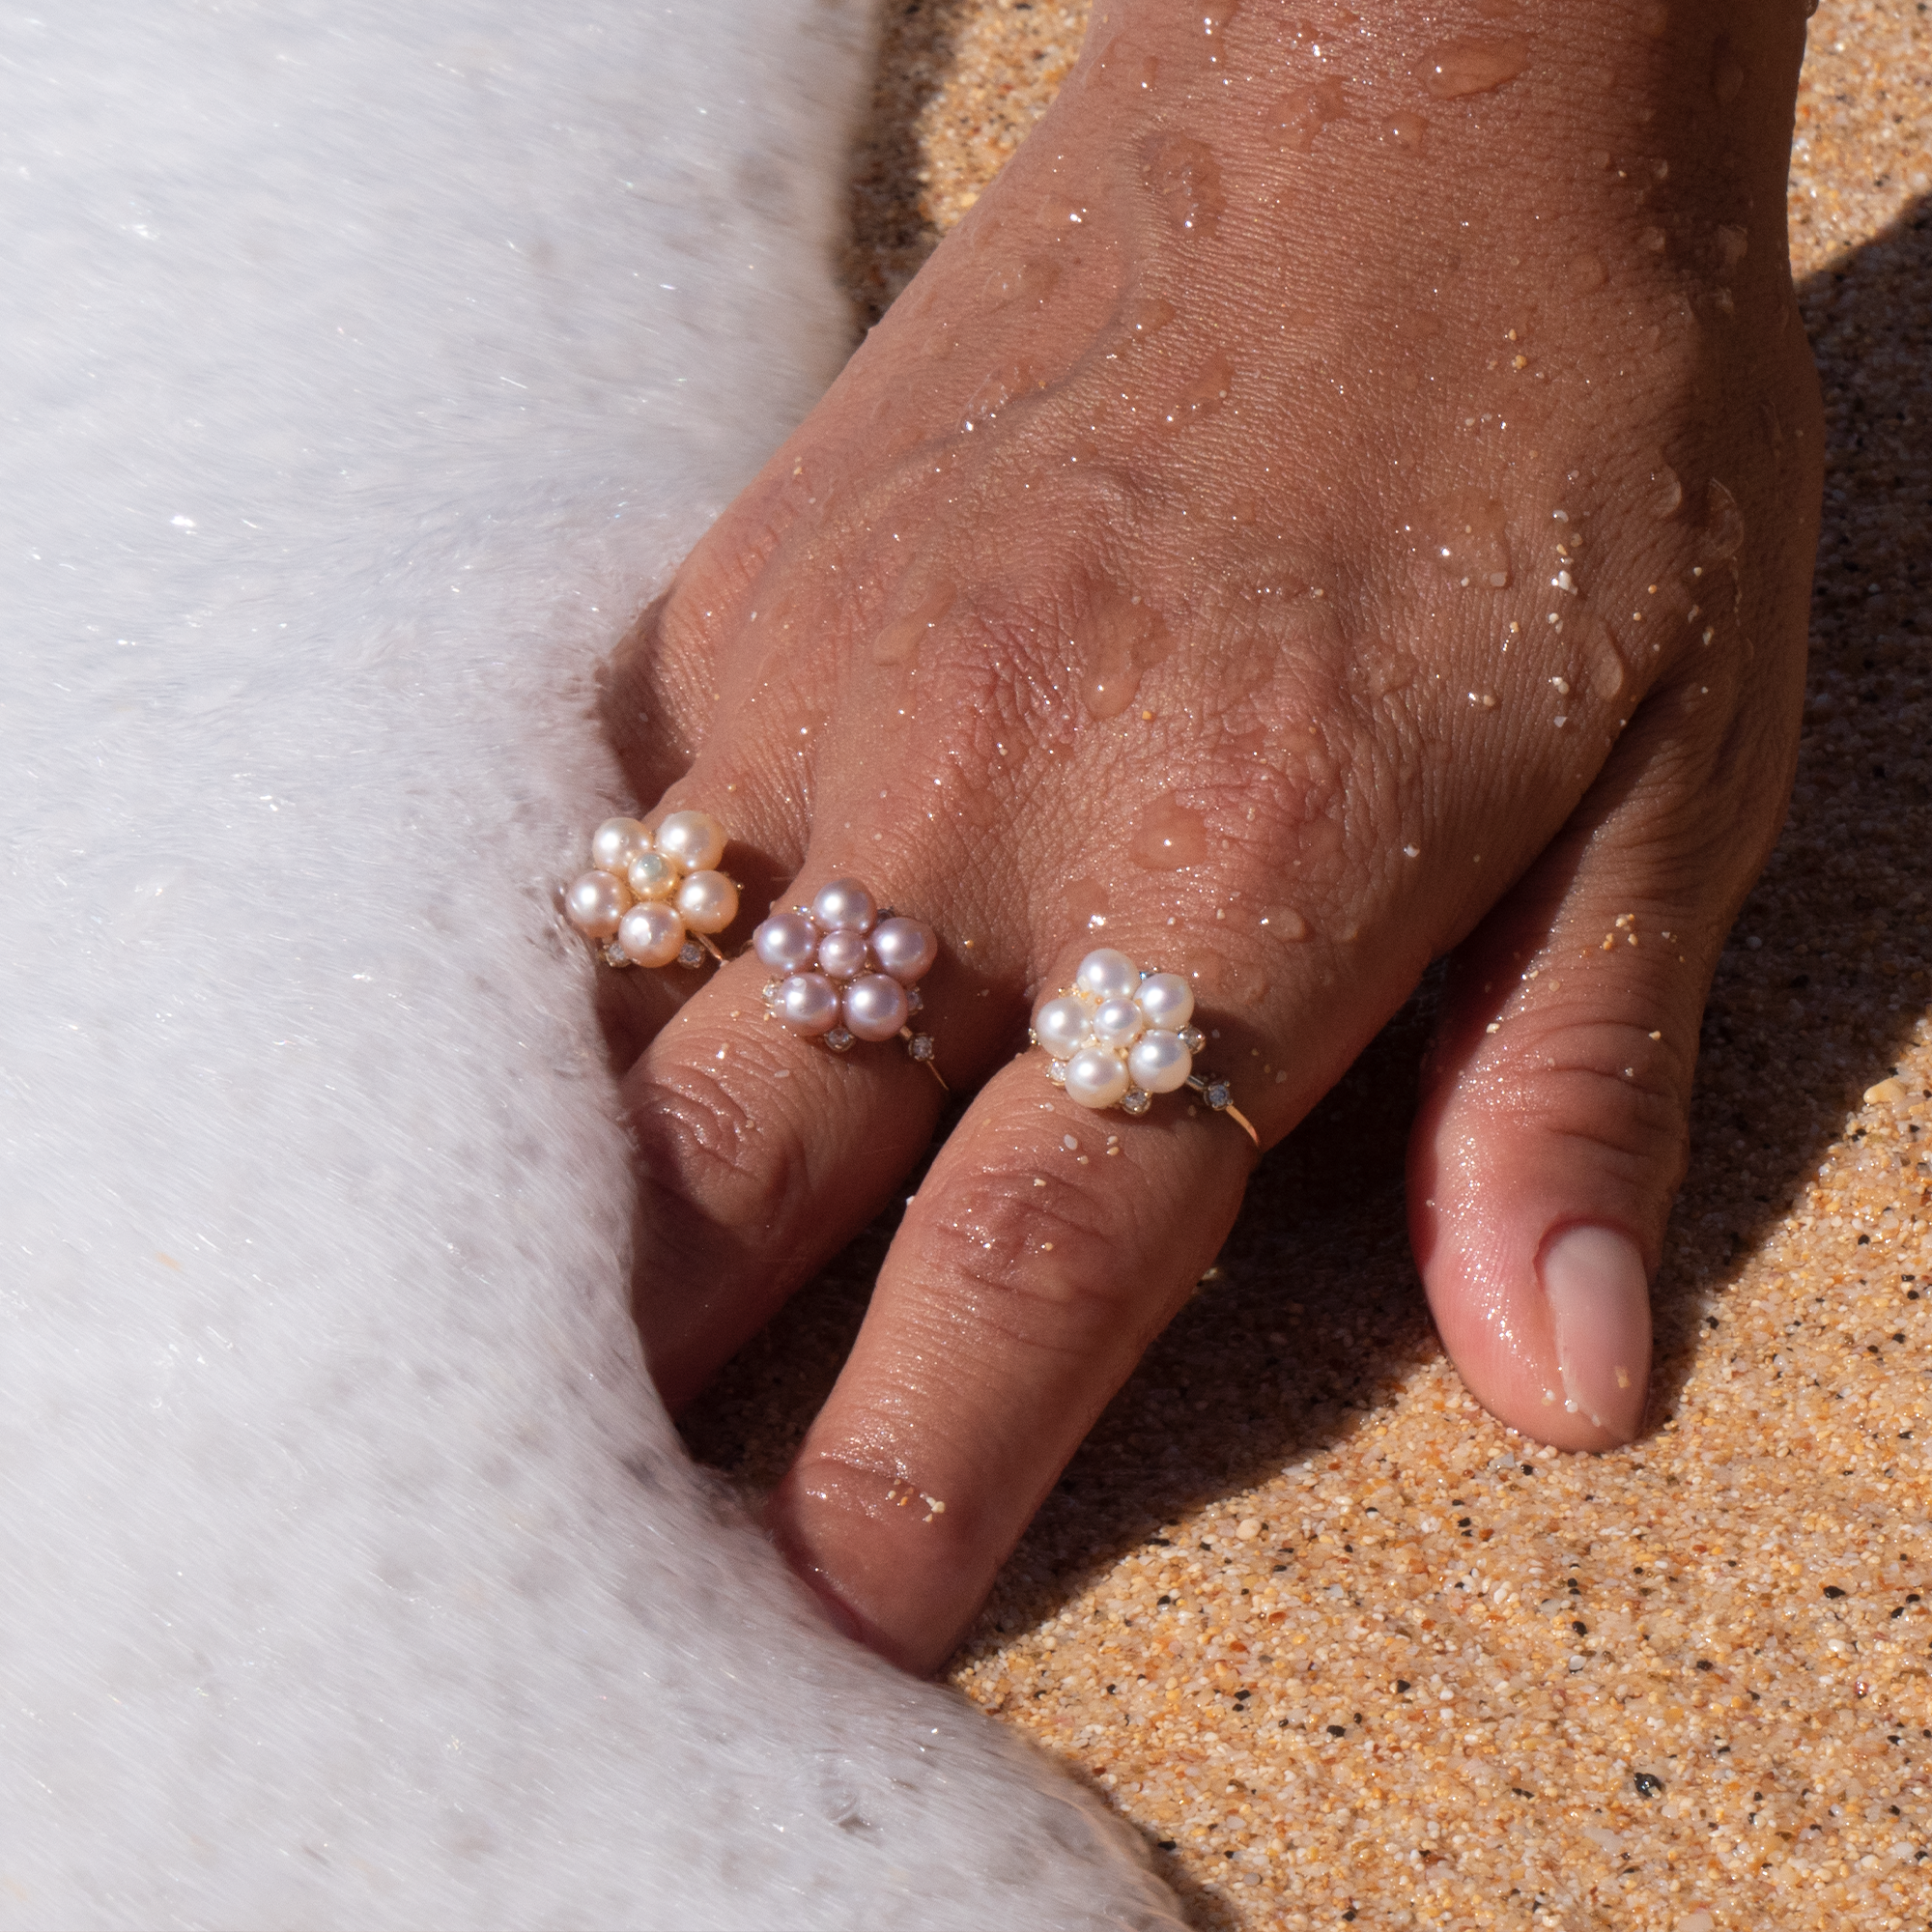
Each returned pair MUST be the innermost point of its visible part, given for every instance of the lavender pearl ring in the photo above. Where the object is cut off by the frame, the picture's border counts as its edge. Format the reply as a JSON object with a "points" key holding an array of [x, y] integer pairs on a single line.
{"points": [[843, 972]]}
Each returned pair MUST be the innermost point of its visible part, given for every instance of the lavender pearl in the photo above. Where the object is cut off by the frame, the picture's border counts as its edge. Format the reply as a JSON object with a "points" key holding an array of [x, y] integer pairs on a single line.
{"points": [[841, 955], [808, 1003], [904, 947], [875, 1007], [786, 942], [844, 906]]}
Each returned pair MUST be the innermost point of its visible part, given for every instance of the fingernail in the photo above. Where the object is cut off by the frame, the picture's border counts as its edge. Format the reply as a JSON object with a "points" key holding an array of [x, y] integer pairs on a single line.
{"points": [[1600, 1299]]}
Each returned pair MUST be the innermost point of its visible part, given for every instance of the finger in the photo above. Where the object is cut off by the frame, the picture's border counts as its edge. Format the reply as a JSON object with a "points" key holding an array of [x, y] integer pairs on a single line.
{"points": [[1554, 1123], [761, 1151], [1045, 1249]]}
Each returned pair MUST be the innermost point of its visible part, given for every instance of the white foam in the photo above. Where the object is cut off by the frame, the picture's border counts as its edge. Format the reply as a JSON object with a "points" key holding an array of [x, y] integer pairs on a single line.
{"points": [[361, 369]]}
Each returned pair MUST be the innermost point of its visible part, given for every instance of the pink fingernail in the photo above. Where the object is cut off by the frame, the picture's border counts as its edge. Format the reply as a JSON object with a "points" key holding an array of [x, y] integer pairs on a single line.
{"points": [[1599, 1298]]}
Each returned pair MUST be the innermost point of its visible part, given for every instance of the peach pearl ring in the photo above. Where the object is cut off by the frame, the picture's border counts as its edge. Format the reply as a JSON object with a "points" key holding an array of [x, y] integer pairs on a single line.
{"points": [[1123, 1035], [650, 898], [846, 971]]}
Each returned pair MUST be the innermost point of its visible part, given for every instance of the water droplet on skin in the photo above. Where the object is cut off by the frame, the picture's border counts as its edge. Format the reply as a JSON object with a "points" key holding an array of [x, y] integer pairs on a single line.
{"points": [[1587, 272], [1409, 131], [1087, 904], [1117, 639], [1018, 378], [1604, 665], [1029, 282], [1285, 923], [1227, 982], [1299, 117], [1216, 18], [1727, 74], [1169, 835], [1206, 392], [1668, 499], [1140, 318], [1653, 240], [1724, 523], [1464, 533], [1463, 67], [1184, 180], [930, 602], [1733, 245]]}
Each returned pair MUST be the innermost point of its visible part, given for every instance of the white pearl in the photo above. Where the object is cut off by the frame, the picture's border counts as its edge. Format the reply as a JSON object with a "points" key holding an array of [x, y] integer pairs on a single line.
{"points": [[841, 955], [707, 901], [1117, 1023], [651, 934], [808, 1003], [1159, 1064], [618, 845], [844, 906], [875, 1006], [904, 947], [786, 942], [594, 903], [653, 876], [694, 841], [1060, 1026], [1095, 1077], [1167, 1000], [1107, 974]]}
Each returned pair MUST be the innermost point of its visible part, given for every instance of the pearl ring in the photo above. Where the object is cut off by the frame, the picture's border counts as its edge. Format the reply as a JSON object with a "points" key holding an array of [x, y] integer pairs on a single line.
{"points": [[1122, 1036], [846, 971], [651, 899]]}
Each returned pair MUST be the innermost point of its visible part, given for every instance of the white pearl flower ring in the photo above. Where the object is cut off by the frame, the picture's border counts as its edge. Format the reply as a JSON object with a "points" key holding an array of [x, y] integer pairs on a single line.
{"points": [[652, 899], [1122, 1036], [846, 971]]}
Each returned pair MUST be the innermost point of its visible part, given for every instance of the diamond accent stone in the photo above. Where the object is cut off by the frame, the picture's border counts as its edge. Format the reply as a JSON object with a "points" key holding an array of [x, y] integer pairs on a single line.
{"points": [[921, 1046], [1193, 1039], [915, 1001], [773, 989], [614, 954], [838, 1041], [693, 954], [1218, 1095], [1134, 1101], [1056, 1071]]}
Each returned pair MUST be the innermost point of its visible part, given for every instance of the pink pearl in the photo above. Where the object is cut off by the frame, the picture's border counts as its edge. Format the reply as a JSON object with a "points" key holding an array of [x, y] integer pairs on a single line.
{"points": [[651, 935], [841, 955], [905, 947], [786, 942], [808, 1003], [595, 902], [844, 906], [875, 1007]]}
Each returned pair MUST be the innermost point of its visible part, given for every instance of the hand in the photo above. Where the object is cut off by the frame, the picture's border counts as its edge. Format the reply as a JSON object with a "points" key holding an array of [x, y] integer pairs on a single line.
{"points": [[1319, 512]]}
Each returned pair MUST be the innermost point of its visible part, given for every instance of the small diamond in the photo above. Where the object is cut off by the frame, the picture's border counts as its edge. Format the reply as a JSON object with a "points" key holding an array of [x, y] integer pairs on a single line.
{"points": [[921, 1046], [1192, 1039], [1056, 1071], [772, 987], [1134, 1101], [914, 1003], [614, 954], [693, 954], [838, 1039], [1218, 1095]]}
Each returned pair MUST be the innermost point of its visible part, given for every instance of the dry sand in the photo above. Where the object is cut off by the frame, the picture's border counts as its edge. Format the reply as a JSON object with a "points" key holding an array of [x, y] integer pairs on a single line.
{"points": [[1345, 1649]]}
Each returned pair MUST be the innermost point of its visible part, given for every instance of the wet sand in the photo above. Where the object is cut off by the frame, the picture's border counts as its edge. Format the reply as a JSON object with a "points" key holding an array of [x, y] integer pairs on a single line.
{"points": [[1345, 1650]]}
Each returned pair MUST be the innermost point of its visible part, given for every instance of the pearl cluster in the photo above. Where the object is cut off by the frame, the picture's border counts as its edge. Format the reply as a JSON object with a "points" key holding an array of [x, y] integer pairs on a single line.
{"points": [[1120, 1036], [645, 895], [846, 973]]}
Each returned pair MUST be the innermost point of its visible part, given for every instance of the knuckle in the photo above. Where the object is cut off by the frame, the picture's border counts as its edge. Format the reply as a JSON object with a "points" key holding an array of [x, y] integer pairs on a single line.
{"points": [[704, 1154], [1046, 1267]]}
